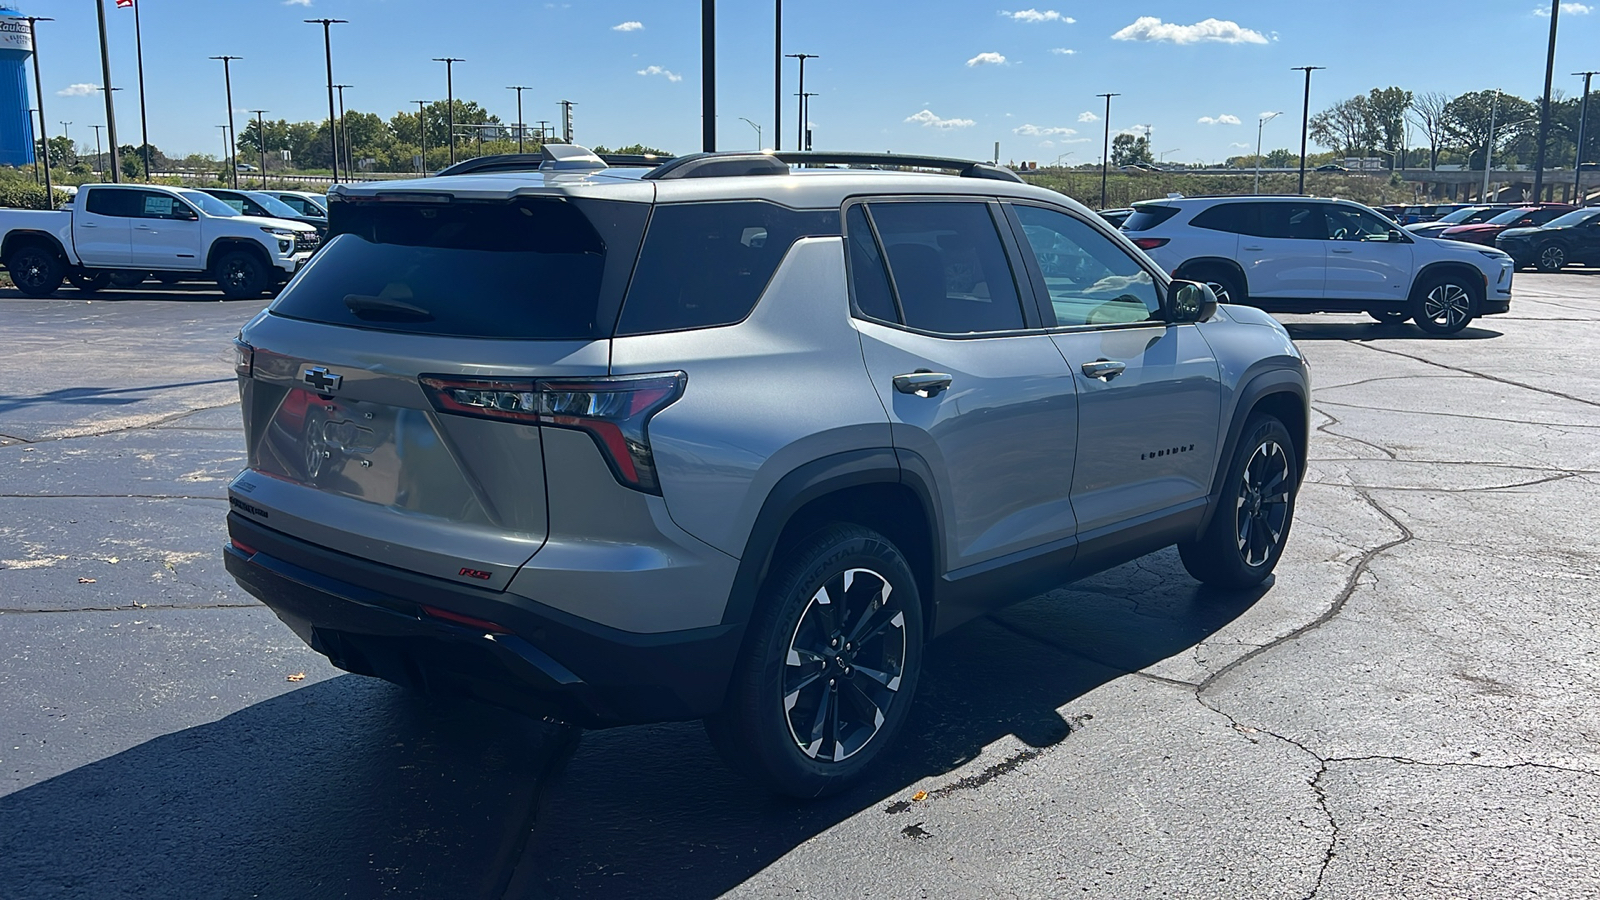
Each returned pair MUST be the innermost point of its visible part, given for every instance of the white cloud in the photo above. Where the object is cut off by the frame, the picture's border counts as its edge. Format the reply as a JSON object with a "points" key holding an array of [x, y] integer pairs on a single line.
{"points": [[1063, 51], [657, 70], [1241, 145], [78, 90], [928, 120], [1088, 117], [1571, 9], [987, 59], [296, 2], [1034, 15], [1150, 28], [1224, 119], [628, 26], [1047, 143], [1040, 131]]}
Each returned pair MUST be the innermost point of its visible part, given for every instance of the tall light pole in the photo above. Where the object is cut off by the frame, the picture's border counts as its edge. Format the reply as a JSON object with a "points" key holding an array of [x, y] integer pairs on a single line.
{"points": [[519, 88], [261, 143], [1544, 106], [708, 75], [777, 74], [327, 52], [38, 88], [144, 122], [1260, 124], [111, 107], [1488, 148], [1105, 159], [805, 119], [225, 148], [97, 150], [1583, 114], [450, 99], [756, 127], [800, 135], [227, 82], [422, 132], [344, 132], [1305, 121]]}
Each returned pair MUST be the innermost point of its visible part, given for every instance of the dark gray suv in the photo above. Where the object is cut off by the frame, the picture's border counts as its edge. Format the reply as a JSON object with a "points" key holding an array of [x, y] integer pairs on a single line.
{"points": [[732, 438]]}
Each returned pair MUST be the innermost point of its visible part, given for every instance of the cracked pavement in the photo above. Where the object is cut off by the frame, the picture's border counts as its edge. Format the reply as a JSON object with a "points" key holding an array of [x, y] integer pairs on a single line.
{"points": [[1406, 711]]}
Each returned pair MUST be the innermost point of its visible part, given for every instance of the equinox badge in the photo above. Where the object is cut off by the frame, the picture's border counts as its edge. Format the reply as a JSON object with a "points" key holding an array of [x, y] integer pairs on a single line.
{"points": [[320, 378]]}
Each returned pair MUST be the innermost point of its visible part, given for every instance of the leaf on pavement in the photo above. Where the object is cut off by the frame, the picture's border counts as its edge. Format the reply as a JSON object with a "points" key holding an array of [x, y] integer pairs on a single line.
{"points": [[298, 676], [86, 581], [919, 796]]}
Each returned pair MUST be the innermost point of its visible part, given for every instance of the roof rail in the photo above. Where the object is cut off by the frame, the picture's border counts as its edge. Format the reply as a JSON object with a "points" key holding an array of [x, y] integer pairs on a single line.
{"points": [[777, 162], [553, 156]]}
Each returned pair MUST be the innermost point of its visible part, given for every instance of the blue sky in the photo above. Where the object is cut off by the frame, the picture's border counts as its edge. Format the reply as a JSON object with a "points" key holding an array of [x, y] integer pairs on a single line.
{"points": [[939, 77]]}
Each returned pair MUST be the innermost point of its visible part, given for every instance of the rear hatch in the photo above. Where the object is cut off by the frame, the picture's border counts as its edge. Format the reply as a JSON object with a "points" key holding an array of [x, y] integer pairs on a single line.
{"points": [[356, 441]]}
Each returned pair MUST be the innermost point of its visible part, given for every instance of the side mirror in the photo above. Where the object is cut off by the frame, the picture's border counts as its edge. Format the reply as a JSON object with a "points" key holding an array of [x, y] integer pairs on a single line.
{"points": [[1396, 236], [1190, 301], [185, 213]]}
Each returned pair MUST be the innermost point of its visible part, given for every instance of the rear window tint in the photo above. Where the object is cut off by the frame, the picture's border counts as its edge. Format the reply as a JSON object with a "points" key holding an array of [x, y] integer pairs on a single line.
{"points": [[706, 264], [1147, 217], [1229, 217], [530, 268]]}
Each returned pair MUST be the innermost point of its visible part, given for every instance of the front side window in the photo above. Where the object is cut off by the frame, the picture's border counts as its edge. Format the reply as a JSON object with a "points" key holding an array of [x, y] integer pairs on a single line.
{"points": [[1091, 280], [154, 205], [1347, 223], [949, 266]]}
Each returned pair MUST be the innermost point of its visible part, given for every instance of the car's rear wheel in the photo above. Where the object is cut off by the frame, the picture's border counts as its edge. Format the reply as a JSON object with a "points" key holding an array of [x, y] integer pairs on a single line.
{"points": [[1389, 316], [1552, 258], [35, 270], [1444, 304], [128, 277], [169, 277], [829, 667], [88, 283], [241, 275], [1225, 284], [1246, 535]]}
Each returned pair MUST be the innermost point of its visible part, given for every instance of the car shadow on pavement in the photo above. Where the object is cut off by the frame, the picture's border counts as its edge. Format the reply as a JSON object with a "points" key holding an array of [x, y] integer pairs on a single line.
{"points": [[196, 292], [87, 396], [1355, 330], [352, 788]]}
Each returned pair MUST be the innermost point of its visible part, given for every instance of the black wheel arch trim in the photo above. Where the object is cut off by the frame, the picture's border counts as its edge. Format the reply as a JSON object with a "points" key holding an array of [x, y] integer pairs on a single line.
{"points": [[1247, 398], [1231, 265], [1478, 281], [17, 239], [223, 246]]}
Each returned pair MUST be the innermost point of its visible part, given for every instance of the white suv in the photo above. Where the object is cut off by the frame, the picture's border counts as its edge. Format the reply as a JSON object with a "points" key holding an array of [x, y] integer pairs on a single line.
{"points": [[1300, 254]]}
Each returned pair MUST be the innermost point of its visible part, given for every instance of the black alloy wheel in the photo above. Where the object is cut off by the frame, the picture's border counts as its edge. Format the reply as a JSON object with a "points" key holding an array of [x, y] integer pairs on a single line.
{"points": [[241, 275], [36, 271], [1245, 537], [1552, 258], [1225, 285], [1261, 507]]}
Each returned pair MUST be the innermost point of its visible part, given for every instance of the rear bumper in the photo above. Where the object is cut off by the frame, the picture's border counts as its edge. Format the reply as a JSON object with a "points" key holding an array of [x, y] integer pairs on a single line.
{"points": [[368, 618]]}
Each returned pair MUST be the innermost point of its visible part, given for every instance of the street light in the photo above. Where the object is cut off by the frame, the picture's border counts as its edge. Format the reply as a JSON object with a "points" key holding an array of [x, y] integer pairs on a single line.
{"points": [[97, 150], [1583, 113], [519, 88], [1163, 155], [450, 99], [327, 51], [344, 131], [1105, 160], [1305, 120], [144, 122], [227, 81], [422, 132], [261, 143], [777, 74], [1061, 157], [105, 81], [38, 87], [800, 136], [1544, 106], [805, 119], [1261, 123], [756, 127]]}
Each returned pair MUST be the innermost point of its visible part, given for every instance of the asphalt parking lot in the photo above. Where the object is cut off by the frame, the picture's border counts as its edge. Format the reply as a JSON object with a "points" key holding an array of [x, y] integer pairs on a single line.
{"points": [[1407, 711]]}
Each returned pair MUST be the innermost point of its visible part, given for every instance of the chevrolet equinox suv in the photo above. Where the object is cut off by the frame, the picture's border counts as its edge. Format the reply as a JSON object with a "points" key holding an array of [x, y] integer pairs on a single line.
{"points": [[1303, 254], [732, 438]]}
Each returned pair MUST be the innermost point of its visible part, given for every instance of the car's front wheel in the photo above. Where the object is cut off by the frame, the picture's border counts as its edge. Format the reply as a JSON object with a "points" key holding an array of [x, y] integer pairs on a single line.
{"points": [[1246, 535], [1552, 258], [1445, 304], [829, 667], [241, 275]]}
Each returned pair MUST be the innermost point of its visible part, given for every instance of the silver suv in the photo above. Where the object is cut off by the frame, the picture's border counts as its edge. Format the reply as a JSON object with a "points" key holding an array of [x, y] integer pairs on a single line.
{"points": [[732, 438]]}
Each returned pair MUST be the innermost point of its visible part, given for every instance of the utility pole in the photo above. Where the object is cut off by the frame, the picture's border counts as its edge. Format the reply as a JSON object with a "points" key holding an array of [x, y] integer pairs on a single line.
{"points": [[708, 75], [227, 82], [225, 148], [1488, 148], [261, 143], [144, 122], [1544, 106], [422, 132], [800, 133], [97, 150], [1260, 124], [1105, 159], [519, 88], [777, 75], [344, 132], [38, 87], [805, 118], [111, 107], [450, 99], [1305, 120], [327, 52], [1583, 114]]}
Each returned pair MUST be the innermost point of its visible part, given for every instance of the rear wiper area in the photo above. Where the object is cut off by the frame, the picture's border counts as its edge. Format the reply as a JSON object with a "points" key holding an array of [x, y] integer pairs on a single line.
{"points": [[368, 306]]}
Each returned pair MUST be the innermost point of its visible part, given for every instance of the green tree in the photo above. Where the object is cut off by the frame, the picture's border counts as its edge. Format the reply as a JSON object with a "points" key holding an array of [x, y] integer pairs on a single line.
{"points": [[1467, 120], [1128, 149], [633, 150], [1344, 127], [1385, 111]]}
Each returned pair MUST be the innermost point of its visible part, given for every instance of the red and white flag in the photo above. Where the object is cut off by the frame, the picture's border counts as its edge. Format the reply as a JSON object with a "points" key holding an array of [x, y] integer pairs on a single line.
{"points": [[124, 4]]}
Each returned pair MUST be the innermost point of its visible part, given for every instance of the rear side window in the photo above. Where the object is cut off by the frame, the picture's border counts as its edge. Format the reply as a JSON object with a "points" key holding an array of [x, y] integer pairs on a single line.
{"points": [[949, 266], [869, 281], [706, 264], [113, 202], [1299, 221], [1144, 218], [1229, 217], [530, 268]]}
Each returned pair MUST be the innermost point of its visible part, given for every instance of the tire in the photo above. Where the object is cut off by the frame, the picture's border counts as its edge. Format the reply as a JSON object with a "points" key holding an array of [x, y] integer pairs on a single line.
{"points": [[87, 283], [1550, 258], [1389, 316], [128, 278], [241, 275], [1225, 284], [1445, 304], [36, 271], [1245, 537], [169, 278], [812, 702]]}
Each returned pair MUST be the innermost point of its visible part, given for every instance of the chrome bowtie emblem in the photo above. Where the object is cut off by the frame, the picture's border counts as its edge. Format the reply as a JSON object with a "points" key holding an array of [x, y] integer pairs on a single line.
{"points": [[320, 378]]}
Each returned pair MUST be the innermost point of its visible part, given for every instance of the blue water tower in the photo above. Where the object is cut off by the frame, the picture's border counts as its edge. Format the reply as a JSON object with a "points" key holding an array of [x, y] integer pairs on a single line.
{"points": [[16, 122]]}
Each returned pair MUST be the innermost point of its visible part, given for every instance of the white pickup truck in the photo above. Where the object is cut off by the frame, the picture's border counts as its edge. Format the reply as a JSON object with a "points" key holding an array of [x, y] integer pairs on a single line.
{"points": [[175, 233]]}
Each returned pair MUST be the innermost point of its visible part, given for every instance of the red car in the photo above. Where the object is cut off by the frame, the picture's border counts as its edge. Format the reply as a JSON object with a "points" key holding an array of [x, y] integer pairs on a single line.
{"points": [[1519, 217]]}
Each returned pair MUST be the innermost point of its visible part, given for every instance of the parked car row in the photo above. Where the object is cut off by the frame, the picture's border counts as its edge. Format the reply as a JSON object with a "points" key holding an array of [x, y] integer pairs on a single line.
{"points": [[246, 241]]}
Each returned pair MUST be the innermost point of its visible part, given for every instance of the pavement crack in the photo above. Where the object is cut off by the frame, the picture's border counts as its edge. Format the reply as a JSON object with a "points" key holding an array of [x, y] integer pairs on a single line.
{"points": [[1561, 476], [1485, 376], [135, 607], [1333, 420], [153, 423], [1449, 415], [1408, 761]]}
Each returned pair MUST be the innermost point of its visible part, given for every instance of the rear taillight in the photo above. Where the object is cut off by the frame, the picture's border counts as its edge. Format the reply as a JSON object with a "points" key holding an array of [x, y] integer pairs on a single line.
{"points": [[1150, 243], [614, 410], [244, 358], [469, 621]]}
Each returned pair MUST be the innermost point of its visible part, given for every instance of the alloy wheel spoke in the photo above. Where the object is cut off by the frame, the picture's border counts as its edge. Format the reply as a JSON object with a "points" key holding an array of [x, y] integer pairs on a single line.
{"points": [[818, 725], [866, 706], [889, 681], [793, 696]]}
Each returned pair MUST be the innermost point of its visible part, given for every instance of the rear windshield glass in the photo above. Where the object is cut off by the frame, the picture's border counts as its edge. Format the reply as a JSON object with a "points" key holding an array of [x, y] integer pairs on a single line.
{"points": [[530, 268], [1146, 217]]}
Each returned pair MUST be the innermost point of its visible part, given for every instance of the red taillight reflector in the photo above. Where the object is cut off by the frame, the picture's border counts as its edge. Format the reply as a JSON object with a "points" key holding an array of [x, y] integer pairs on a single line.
{"points": [[1150, 243], [469, 621], [242, 547]]}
